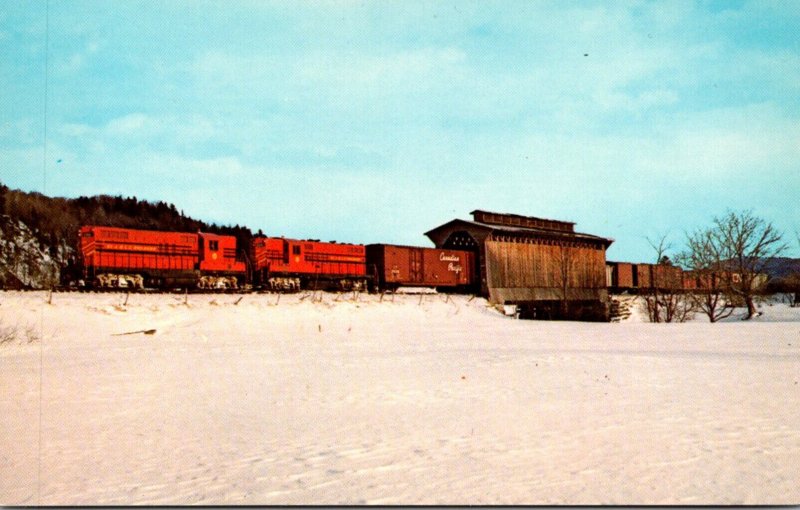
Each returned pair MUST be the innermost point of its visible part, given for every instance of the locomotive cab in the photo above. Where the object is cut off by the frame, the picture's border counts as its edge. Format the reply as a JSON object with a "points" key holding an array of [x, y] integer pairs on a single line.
{"points": [[218, 254], [291, 252]]}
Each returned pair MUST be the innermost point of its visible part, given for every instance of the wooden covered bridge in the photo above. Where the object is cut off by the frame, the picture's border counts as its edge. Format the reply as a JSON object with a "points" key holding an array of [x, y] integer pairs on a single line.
{"points": [[541, 265]]}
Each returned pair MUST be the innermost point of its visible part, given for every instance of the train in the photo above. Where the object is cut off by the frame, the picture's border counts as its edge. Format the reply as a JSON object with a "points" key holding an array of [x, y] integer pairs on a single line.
{"points": [[123, 258], [119, 258], [632, 278]]}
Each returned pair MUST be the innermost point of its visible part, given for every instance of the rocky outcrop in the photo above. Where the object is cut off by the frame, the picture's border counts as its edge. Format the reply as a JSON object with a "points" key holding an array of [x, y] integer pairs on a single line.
{"points": [[24, 262]]}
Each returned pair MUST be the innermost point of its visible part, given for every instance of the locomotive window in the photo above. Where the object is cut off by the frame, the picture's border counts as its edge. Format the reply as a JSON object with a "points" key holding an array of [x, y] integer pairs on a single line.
{"points": [[213, 245], [295, 250]]}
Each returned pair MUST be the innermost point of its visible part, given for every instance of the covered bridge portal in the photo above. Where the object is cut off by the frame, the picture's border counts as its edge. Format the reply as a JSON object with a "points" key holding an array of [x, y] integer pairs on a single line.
{"points": [[543, 265]]}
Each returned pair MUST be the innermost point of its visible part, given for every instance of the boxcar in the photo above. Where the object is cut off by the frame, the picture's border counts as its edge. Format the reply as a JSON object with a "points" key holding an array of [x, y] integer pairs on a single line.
{"points": [[625, 276], [639, 277], [622, 276], [292, 264], [409, 266], [128, 258]]}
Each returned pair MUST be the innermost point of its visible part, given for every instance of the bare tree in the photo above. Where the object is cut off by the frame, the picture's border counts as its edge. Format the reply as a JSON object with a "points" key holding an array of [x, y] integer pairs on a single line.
{"points": [[676, 305], [747, 246], [564, 267], [664, 296], [652, 293], [703, 260]]}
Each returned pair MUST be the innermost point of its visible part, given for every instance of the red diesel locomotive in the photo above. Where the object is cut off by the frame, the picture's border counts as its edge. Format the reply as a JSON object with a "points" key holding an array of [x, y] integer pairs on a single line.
{"points": [[111, 257], [291, 264]]}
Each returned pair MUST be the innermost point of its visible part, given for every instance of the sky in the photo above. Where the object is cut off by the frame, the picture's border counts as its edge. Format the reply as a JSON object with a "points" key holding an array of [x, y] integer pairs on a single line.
{"points": [[367, 121]]}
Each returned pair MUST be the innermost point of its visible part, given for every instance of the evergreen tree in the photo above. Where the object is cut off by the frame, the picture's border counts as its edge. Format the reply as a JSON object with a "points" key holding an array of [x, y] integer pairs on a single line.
{"points": [[3, 190]]}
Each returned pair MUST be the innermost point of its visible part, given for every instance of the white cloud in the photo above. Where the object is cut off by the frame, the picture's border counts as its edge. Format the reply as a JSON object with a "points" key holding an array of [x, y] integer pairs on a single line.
{"points": [[24, 131], [22, 167], [328, 73], [188, 168], [78, 60], [74, 129], [638, 103], [135, 128], [131, 124], [390, 69]]}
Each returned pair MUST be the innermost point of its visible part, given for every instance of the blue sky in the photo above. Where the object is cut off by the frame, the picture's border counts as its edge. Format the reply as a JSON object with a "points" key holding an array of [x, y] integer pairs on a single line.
{"points": [[377, 121]]}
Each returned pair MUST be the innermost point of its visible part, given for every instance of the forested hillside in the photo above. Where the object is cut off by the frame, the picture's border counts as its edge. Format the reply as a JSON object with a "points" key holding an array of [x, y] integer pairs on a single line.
{"points": [[39, 233]]}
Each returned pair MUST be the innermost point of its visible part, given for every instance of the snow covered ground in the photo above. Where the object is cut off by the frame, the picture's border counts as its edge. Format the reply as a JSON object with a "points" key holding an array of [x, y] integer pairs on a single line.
{"points": [[412, 400]]}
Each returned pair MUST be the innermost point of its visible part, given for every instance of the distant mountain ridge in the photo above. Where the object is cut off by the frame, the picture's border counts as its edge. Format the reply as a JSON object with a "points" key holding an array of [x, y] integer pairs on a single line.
{"points": [[782, 267], [38, 234]]}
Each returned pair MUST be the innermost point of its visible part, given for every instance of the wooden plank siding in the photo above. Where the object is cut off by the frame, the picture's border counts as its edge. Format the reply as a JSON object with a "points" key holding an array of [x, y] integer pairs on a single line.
{"points": [[532, 270]]}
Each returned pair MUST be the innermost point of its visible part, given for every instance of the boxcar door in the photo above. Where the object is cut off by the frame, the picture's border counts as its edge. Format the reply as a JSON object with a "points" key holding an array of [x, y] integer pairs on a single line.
{"points": [[415, 265]]}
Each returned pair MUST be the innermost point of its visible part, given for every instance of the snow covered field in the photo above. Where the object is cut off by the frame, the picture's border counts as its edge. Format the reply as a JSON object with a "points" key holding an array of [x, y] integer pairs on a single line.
{"points": [[414, 400]]}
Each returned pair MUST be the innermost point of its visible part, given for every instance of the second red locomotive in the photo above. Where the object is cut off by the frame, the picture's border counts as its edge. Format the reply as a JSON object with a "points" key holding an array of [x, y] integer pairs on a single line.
{"points": [[291, 264]]}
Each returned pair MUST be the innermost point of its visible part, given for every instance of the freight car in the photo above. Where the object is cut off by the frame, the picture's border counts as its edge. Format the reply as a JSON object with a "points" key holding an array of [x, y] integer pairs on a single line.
{"points": [[111, 257], [410, 266], [291, 264], [628, 277]]}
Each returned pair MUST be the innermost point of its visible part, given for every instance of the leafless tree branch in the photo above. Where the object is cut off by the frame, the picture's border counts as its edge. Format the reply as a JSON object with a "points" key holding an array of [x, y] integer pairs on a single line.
{"points": [[664, 296]]}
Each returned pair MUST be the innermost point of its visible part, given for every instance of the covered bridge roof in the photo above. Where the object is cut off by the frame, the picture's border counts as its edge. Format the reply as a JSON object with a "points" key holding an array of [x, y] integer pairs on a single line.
{"points": [[497, 224]]}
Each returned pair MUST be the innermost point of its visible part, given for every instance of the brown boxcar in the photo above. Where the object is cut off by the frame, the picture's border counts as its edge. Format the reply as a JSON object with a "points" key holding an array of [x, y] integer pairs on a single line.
{"points": [[624, 275], [648, 276], [411, 266], [693, 280], [666, 276], [643, 279]]}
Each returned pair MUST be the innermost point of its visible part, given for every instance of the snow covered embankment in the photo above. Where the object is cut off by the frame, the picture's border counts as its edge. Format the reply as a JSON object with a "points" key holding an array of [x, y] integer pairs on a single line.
{"points": [[328, 399]]}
